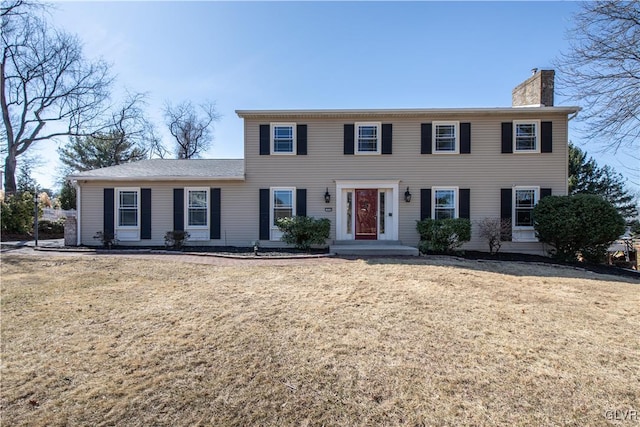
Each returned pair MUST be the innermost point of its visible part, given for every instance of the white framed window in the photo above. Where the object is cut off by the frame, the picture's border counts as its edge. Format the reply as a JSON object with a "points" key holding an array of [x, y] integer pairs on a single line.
{"points": [[526, 136], [446, 137], [283, 205], [368, 137], [196, 208], [445, 202], [524, 200], [283, 138], [127, 214], [128, 207]]}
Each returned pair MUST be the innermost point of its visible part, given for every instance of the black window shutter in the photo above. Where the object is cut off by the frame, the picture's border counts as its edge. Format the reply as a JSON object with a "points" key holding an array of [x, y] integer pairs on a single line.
{"points": [[349, 129], [301, 202], [264, 214], [507, 137], [425, 203], [145, 213], [265, 140], [387, 138], [108, 224], [215, 213], [546, 136], [425, 138], [544, 192], [465, 203], [465, 138], [178, 209], [505, 209], [301, 137]]}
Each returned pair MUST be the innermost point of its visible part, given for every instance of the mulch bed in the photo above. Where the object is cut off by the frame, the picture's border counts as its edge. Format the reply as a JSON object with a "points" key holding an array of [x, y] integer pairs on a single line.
{"points": [[509, 256], [12, 237]]}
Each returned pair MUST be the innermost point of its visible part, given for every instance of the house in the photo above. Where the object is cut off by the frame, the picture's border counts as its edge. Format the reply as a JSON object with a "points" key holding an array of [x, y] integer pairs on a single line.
{"points": [[372, 173]]}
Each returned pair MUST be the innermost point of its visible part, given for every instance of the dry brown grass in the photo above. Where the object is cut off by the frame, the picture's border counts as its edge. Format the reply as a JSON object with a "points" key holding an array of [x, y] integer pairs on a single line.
{"points": [[131, 341]]}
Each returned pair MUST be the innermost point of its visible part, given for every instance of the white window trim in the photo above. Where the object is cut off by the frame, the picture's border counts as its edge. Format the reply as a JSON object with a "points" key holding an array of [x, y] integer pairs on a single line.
{"points": [[526, 122], [523, 233], [275, 233], [186, 208], [456, 201], [378, 141], [272, 139], [117, 212], [536, 199], [457, 141]]}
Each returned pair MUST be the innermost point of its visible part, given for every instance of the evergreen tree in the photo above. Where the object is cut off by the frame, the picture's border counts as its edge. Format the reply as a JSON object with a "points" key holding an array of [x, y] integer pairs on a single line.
{"points": [[67, 196], [586, 177], [97, 151]]}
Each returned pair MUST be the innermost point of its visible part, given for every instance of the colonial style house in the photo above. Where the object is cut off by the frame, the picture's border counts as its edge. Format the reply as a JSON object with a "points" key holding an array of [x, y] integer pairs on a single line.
{"points": [[372, 173]]}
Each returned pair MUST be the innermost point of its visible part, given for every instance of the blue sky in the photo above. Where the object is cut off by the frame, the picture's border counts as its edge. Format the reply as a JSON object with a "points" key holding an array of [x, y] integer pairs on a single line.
{"points": [[288, 55]]}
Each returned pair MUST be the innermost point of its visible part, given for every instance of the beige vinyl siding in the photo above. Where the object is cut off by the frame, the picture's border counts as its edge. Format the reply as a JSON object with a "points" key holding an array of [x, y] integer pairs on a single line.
{"points": [[238, 211], [485, 171]]}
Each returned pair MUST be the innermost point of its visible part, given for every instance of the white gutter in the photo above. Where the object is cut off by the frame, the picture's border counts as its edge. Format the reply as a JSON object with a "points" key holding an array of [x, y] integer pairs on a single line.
{"points": [[404, 112], [154, 178]]}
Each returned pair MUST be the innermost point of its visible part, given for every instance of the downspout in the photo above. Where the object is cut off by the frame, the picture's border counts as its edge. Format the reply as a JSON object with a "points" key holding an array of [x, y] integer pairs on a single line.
{"points": [[78, 213]]}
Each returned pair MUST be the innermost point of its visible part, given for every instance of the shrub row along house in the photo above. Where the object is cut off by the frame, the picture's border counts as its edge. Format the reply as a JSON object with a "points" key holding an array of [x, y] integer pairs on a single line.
{"points": [[372, 173]]}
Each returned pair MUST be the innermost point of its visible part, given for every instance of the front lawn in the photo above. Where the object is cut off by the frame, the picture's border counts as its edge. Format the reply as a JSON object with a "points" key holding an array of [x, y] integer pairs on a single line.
{"points": [[129, 341]]}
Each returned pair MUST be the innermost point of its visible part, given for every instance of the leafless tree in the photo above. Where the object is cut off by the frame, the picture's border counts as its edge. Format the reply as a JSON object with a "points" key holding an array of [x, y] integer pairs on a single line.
{"points": [[131, 125], [127, 136], [494, 231], [47, 87], [601, 71], [191, 127]]}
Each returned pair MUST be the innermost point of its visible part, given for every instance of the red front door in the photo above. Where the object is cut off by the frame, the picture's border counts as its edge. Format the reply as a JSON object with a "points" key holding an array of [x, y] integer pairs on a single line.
{"points": [[366, 214]]}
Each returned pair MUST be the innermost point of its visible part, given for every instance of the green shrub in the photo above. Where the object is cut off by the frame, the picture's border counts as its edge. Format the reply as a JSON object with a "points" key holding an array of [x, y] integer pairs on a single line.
{"points": [[303, 231], [176, 239], [51, 227], [17, 213], [582, 224], [443, 235]]}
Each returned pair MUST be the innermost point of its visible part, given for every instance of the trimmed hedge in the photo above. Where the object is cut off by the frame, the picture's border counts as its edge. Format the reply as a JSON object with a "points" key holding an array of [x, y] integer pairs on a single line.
{"points": [[443, 235], [303, 231], [582, 224]]}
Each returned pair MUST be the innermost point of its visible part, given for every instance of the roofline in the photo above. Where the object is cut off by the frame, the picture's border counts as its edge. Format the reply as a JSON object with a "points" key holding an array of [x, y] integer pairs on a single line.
{"points": [[405, 112], [77, 178]]}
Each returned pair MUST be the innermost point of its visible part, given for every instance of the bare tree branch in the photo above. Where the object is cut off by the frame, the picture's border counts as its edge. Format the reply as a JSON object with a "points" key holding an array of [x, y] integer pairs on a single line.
{"points": [[47, 87], [601, 71], [126, 136], [191, 128]]}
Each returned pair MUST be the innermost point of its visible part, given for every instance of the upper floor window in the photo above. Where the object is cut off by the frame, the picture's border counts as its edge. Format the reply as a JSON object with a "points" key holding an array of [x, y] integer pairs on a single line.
{"points": [[283, 138], [197, 207], [445, 203], [526, 136], [445, 137], [128, 207], [367, 138]]}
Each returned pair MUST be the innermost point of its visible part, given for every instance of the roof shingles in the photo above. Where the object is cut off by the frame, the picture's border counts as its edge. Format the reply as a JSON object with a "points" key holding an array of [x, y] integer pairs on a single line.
{"points": [[153, 169]]}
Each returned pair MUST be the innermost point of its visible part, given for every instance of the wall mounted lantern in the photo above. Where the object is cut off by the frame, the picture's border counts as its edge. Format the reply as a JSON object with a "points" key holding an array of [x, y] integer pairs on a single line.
{"points": [[327, 196], [407, 196]]}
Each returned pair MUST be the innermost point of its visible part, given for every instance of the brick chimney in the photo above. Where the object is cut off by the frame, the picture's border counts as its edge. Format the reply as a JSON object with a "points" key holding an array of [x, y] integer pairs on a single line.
{"points": [[536, 91]]}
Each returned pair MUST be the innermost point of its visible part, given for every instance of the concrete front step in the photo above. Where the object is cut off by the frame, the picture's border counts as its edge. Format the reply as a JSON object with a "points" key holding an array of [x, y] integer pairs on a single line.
{"points": [[367, 242], [373, 249]]}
